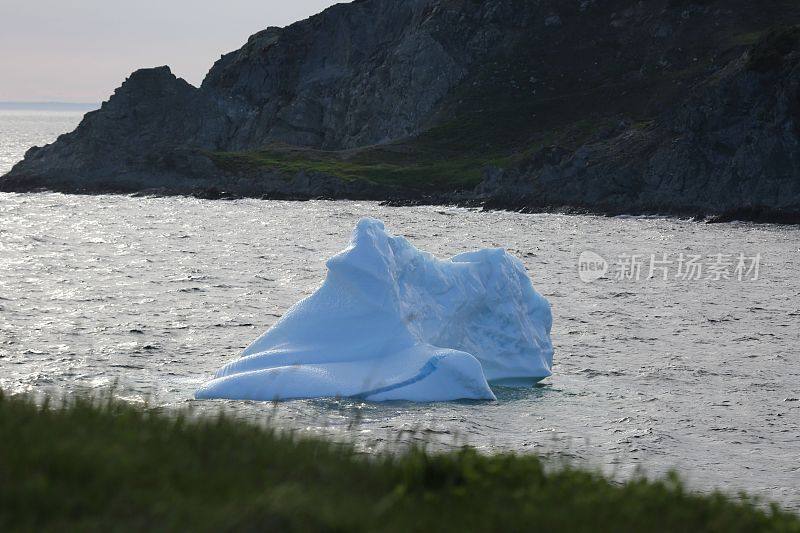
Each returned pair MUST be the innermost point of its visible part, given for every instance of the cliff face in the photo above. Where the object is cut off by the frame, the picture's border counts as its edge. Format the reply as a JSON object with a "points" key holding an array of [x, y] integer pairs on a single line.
{"points": [[731, 147], [355, 75], [616, 106]]}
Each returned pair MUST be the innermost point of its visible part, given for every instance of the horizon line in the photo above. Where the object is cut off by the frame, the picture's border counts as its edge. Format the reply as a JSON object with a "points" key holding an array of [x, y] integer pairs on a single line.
{"points": [[21, 104]]}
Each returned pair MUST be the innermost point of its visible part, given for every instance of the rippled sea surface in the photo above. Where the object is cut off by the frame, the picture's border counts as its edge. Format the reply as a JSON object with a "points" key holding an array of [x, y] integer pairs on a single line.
{"points": [[155, 294]]}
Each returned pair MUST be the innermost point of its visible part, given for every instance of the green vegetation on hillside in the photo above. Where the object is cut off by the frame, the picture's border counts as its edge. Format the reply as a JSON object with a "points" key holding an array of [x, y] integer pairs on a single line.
{"points": [[89, 465], [387, 165], [449, 157]]}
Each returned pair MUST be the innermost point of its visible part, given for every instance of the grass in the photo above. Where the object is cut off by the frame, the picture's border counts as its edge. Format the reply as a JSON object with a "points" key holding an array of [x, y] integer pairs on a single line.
{"points": [[449, 157], [104, 465], [391, 165]]}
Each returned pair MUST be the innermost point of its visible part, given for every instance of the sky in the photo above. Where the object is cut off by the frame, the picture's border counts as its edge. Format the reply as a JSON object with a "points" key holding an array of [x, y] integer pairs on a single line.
{"points": [[81, 50]]}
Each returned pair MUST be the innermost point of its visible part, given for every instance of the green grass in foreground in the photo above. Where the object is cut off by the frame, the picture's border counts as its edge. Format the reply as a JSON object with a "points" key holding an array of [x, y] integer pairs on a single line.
{"points": [[90, 465]]}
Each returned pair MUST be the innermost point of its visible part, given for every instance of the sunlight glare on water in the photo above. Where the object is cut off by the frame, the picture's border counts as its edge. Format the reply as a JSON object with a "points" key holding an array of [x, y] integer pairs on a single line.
{"points": [[155, 294]]}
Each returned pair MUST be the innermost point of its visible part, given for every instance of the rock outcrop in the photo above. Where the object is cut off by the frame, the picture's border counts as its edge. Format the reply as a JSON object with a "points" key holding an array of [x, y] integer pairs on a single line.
{"points": [[732, 149], [658, 106]]}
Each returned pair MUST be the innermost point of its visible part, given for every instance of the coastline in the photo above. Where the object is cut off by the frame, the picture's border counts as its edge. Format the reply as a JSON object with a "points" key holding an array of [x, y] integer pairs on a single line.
{"points": [[463, 199]]}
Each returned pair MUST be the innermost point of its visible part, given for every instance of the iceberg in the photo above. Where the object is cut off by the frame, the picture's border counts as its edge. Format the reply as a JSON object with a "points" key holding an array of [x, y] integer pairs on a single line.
{"points": [[392, 322]]}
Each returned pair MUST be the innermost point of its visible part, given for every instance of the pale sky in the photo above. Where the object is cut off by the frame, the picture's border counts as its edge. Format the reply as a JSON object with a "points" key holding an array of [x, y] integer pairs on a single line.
{"points": [[81, 50]]}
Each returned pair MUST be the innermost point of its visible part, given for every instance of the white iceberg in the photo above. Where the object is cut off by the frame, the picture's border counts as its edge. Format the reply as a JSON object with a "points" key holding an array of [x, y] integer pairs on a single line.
{"points": [[394, 323]]}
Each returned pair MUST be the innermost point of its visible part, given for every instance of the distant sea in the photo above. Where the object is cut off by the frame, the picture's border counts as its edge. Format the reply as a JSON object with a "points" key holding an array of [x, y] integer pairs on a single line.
{"points": [[48, 106], [26, 124]]}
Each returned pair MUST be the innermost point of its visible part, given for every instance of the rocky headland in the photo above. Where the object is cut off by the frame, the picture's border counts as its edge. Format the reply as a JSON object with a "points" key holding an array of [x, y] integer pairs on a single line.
{"points": [[689, 108]]}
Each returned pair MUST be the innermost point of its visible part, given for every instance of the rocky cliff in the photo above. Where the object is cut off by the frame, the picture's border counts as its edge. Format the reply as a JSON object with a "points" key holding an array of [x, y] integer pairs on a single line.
{"points": [[665, 106], [729, 148]]}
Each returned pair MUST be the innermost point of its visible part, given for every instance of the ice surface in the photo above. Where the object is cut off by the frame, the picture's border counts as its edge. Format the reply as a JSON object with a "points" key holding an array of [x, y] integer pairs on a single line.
{"points": [[394, 323]]}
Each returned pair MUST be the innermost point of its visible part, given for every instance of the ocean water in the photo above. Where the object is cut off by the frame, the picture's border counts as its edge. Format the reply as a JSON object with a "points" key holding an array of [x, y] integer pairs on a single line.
{"points": [[653, 371], [21, 128]]}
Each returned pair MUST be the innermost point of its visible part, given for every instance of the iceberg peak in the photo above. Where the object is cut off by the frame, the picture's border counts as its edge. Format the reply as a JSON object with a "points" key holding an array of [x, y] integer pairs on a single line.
{"points": [[392, 322]]}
